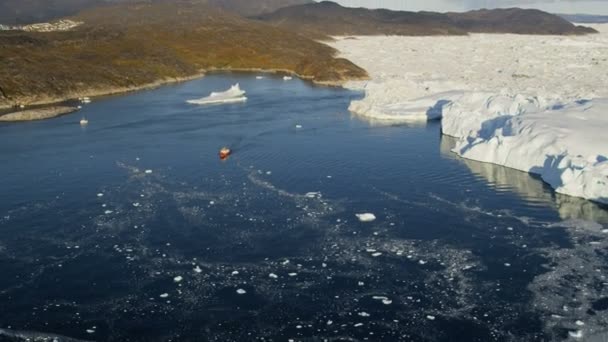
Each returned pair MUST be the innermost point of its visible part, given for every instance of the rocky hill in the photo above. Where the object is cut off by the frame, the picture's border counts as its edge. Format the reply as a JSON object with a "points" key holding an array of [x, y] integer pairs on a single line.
{"points": [[123, 47], [328, 18]]}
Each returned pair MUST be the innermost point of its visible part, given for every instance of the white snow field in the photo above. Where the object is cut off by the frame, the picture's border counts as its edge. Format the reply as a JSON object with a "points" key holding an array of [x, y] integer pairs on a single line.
{"points": [[234, 94], [534, 103]]}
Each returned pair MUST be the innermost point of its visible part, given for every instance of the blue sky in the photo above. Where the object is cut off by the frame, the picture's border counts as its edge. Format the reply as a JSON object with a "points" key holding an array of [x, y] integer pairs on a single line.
{"points": [[599, 7]]}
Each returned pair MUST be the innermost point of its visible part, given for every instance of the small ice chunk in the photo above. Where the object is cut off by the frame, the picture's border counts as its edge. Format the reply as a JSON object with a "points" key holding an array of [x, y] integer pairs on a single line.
{"points": [[575, 334], [330, 322], [358, 325], [313, 194], [235, 273], [198, 269], [366, 217], [507, 264], [241, 291], [178, 279], [422, 262], [90, 331], [579, 323], [273, 276], [387, 301], [298, 126], [287, 78], [430, 317], [364, 314], [100, 195], [136, 204], [292, 274], [360, 283], [148, 171], [259, 77], [605, 231], [164, 295], [108, 212], [377, 254]]}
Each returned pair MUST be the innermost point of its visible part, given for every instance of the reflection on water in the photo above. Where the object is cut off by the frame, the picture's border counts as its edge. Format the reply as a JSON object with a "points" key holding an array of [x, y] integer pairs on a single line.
{"points": [[528, 187]]}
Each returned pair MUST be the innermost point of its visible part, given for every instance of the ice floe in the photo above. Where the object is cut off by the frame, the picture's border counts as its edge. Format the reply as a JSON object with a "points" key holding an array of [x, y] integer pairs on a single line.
{"points": [[366, 217], [232, 95]]}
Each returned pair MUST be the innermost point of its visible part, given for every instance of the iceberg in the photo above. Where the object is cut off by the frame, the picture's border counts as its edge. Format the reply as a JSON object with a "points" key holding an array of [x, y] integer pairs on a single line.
{"points": [[532, 103], [565, 144], [232, 95]]}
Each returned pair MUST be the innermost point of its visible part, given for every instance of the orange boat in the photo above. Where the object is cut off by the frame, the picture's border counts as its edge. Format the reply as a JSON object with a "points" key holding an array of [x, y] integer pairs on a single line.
{"points": [[225, 152]]}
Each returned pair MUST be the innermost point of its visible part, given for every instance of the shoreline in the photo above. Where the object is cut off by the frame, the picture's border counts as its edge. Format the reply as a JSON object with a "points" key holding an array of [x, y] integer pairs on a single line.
{"points": [[92, 92], [36, 114]]}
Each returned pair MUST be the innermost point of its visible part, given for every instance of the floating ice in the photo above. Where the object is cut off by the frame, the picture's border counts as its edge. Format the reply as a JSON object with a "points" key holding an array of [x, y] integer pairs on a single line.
{"points": [[232, 95], [108, 212], [576, 334], [287, 78], [259, 77], [198, 269], [377, 254], [100, 195], [313, 195], [531, 115], [364, 314], [241, 291], [298, 126], [136, 205], [430, 317], [164, 295], [148, 171], [565, 143], [366, 217], [178, 279], [273, 276]]}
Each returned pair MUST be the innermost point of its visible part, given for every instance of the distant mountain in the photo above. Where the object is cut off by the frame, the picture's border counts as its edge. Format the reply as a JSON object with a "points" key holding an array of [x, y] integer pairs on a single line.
{"points": [[256, 7], [328, 18], [125, 47], [516, 20], [585, 18], [30, 11]]}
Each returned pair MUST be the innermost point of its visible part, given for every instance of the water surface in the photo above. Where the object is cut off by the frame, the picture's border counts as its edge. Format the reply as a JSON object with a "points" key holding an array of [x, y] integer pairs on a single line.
{"points": [[132, 229]]}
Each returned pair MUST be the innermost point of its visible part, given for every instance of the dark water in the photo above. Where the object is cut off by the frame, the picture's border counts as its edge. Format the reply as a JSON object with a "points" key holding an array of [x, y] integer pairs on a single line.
{"points": [[460, 251]]}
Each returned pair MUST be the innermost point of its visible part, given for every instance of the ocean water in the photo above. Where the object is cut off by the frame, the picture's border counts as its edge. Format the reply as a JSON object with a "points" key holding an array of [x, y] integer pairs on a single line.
{"points": [[132, 229]]}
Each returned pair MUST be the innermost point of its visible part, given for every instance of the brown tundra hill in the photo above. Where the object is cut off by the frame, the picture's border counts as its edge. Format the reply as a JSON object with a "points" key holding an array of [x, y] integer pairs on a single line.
{"points": [[125, 47]]}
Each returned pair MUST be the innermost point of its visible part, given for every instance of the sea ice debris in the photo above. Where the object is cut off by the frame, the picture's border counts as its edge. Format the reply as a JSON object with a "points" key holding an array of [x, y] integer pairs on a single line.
{"points": [[366, 217]]}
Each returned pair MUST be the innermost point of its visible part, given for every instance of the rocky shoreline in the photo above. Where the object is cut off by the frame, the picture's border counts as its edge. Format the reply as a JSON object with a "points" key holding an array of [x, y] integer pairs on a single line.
{"points": [[37, 114]]}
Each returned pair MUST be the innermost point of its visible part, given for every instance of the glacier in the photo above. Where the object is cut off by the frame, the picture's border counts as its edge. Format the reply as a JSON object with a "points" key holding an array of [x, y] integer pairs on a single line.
{"points": [[538, 104]]}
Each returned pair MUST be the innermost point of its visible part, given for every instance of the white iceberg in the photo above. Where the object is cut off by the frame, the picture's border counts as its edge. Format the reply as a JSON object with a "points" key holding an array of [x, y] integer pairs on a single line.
{"points": [[565, 144], [532, 103], [232, 95]]}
